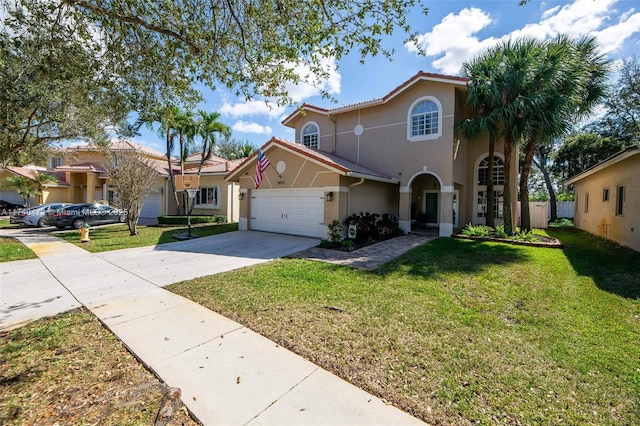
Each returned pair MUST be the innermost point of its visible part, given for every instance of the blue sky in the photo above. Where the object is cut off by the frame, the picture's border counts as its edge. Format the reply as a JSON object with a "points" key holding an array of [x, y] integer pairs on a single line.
{"points": [[451, 33]]}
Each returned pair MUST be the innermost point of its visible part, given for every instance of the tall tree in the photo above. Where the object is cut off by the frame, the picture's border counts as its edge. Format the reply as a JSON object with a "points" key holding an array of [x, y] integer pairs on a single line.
{"points": [[569, 80], [482, 102], [622, 118], [208, 127], [579, 152], [133, 176], [102, 59]]}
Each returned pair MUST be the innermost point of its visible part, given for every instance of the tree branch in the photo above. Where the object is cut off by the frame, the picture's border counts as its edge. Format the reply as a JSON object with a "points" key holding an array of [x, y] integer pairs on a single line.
{"points": [[133, 20]]}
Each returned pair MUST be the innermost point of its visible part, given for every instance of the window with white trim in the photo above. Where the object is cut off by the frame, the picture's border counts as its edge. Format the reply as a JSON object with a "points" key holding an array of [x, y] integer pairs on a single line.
{"points": [[311, 135], [424, 121], [207, 197], [482, 177], [56, 162]]}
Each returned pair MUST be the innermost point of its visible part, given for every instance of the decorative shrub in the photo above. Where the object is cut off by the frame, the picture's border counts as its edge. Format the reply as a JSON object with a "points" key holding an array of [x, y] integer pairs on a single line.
{"points": [[182, 220], [500, 232], [477, 230], [524, 236], [372, 226], [336, 230]]}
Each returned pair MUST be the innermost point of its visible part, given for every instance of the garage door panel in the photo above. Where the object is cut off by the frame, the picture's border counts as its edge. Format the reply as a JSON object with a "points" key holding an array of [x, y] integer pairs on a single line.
{"points": [[289, 211]]}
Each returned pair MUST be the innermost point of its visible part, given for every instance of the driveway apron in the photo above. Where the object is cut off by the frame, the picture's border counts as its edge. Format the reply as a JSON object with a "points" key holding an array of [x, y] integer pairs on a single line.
{"points": [[227, 373]]}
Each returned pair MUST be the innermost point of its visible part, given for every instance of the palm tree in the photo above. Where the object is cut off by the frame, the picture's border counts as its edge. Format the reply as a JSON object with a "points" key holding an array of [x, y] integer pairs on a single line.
{"points": [[41, 180], [23, 186], [570, 81], [482, 102], [168, 119], [207, 127]]}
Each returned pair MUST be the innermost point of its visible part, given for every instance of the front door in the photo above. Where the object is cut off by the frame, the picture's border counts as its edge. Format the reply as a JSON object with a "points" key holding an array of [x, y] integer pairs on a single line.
{"points": [[431, 207]]}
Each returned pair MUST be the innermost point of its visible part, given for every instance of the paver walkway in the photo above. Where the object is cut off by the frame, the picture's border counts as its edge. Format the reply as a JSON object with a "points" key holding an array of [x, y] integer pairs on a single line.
{"points": [[369, 257], [228, 374]]}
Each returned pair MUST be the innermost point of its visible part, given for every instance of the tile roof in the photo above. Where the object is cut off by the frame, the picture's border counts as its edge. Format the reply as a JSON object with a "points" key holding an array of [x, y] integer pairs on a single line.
{"points": [[342, 165], [421, 75]]}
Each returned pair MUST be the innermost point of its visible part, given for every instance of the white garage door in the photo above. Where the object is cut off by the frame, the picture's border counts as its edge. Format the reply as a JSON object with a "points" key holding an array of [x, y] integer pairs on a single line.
{"points": [[151, 206], [288, 211]]}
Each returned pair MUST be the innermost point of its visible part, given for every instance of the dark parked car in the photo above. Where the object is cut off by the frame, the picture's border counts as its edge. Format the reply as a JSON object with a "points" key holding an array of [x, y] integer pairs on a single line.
{"points": [[77, 215]]}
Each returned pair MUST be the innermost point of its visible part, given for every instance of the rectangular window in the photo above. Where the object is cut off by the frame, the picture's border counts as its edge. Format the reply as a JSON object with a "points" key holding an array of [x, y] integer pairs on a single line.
{"points": [[620, 200], [207, 197], [56, 162], [498, 204], [605, 195], [586, 202]]}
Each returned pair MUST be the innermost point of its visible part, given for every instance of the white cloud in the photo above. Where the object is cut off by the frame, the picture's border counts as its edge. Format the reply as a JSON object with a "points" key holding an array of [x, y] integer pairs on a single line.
{"points": [[251, 108], [247, 127], [455, 40], [311, 84]]}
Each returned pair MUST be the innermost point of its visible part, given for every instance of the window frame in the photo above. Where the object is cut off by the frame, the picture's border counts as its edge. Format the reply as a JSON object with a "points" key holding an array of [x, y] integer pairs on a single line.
{"points": [[216, 193], [54, 160], [428, 136], [620, 200], [317, 134]]}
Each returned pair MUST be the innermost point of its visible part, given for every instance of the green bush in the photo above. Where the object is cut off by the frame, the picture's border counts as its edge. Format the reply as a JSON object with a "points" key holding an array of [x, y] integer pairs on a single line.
{"points": [[182, 220], [561, 223], [373, 226], [500, 232], [477, 230], [526, 236], [335, 230]]}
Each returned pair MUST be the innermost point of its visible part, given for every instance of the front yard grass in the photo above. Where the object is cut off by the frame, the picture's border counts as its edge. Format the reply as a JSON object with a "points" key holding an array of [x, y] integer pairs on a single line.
{"points": [[70, 370], [12, 249], [115, 237], [459, 331]]}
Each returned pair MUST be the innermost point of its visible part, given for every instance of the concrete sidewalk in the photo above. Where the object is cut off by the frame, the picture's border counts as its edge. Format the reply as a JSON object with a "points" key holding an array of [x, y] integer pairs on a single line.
{"points": [[227, 373]]}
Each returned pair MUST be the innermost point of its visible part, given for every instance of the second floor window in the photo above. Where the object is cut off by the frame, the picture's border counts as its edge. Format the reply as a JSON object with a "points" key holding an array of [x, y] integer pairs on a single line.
{"points": [[310, 136], [424, 119], [56, 162]]}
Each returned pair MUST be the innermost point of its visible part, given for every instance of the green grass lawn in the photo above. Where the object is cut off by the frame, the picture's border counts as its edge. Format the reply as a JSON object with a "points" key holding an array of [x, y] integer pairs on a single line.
{"points": [[105, 238], [11, 249], [460, 331]]}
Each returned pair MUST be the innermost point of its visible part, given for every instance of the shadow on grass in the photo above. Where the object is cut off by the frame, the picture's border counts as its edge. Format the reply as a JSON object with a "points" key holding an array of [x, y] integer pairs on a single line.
{"points": [[613, 268], [445, 255]]}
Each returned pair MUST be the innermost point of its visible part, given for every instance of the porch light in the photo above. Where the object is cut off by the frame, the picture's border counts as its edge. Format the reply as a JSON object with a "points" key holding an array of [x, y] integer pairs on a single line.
{"points": [[329, 196], [241, 196]]}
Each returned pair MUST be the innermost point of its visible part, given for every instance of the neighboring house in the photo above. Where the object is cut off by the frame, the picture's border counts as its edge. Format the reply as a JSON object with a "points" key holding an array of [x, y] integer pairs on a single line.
{"points": [[82, 173], [607, 198], [12, 196], [398, 154]]}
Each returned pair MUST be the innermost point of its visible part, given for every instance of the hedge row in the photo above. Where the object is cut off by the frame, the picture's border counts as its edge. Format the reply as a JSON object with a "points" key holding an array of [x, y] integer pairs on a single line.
{"points": [[182, 220]]}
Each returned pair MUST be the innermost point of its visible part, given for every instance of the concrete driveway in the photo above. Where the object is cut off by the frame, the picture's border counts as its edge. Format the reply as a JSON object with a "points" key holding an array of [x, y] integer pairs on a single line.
{"points": [[170, 263]]}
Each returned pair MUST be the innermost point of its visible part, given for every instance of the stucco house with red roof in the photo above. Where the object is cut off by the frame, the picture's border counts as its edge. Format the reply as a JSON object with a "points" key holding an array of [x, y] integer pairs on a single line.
{"points": [[398, 154], [82, 173]]}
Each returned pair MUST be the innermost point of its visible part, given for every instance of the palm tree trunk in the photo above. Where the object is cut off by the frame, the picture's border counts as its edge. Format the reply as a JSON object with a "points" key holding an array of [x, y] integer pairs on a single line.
{"points": [[490, 219], [525, 214], [547, 181], [171, 177], [508, 219]]}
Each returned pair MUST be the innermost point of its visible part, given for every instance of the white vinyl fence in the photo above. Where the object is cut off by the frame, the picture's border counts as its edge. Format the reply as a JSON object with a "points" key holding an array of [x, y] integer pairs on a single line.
{"points": [[565, 209], [538, 212]]}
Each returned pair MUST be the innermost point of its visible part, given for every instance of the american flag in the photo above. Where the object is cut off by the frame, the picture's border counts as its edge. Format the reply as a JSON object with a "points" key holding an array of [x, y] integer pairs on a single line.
{"points": [[261, 166]]}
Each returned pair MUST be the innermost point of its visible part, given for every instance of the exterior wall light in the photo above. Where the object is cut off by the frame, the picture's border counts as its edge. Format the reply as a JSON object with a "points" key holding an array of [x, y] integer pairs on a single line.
{"points": [[241, 196], [329, 196]]}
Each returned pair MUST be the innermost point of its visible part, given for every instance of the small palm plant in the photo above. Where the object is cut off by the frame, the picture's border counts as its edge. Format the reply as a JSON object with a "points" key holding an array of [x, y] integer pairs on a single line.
{"points": [[24, 186]]}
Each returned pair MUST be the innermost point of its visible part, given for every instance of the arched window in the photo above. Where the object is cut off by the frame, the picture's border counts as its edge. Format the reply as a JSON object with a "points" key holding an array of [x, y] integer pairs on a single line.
{"points": [[482, 178], [311, 135], [498, 171], [425, 119]]}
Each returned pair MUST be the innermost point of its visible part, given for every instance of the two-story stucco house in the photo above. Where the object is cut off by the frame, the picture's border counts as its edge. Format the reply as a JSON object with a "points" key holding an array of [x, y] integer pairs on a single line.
{"points": [[82, 177], [398, 154]]}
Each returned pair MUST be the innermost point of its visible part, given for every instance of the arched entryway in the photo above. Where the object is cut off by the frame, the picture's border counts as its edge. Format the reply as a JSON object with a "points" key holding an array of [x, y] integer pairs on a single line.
{"points": [[425, 202]]}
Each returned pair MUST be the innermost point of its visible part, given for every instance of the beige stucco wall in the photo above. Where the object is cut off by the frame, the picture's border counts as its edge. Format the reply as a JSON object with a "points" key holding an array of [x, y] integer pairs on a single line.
{"points": [[228, 203], [55, 194], [600, 219]]}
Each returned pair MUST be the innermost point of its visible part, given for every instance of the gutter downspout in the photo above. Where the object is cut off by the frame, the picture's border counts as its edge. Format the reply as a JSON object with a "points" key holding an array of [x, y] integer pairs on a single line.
{"points": [[349, 193]]}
